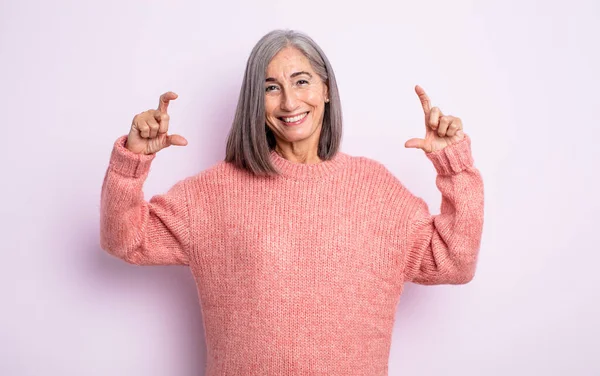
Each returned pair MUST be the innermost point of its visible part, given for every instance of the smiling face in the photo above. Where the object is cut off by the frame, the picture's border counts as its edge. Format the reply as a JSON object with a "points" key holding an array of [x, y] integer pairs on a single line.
{"points": [[294, 101]]}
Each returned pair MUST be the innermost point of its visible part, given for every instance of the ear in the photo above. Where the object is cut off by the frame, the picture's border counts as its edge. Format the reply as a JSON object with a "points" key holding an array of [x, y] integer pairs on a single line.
{"points": [[326, 91]]}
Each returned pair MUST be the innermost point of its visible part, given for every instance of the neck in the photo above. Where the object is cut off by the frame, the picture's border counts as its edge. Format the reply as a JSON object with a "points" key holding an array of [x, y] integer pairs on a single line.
{"points": [[305, 154]]}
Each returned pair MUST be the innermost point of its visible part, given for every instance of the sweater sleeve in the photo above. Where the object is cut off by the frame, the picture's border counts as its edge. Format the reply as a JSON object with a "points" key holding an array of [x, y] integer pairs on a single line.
{"points": [[134, 230], [443, 249]]}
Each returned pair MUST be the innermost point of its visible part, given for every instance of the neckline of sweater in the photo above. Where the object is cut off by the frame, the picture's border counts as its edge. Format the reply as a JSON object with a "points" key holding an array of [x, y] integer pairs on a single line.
{"points": [[301, 171]]}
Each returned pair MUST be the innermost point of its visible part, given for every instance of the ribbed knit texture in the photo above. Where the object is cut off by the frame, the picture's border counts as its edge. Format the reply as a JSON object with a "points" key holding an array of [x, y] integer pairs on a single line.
{"points": [[298, 274]]}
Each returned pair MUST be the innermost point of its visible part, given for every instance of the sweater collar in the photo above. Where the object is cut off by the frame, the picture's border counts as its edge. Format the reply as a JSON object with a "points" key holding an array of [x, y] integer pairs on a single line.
{"points": [[302, 171]]}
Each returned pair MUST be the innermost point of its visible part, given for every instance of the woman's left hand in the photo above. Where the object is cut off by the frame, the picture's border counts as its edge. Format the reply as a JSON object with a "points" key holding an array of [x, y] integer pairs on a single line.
{"points": [[440, 130]]}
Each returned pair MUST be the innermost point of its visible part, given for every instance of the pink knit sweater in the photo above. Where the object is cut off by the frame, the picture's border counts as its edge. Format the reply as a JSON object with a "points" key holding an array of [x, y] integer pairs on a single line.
{"points": [[298, 274]]}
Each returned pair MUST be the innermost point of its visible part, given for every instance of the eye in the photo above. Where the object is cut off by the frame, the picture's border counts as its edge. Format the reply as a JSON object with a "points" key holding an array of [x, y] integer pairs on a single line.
{"points": [[302, 82], [270, 88]]}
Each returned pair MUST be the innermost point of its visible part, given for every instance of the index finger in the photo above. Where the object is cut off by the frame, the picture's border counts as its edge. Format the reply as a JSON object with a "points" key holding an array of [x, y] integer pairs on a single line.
{"points": [[425, 102], [163, 102]]}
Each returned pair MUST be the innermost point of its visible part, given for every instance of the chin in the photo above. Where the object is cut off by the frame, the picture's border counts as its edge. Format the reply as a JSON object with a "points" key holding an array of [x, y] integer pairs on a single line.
{"points": [[298, 135]]}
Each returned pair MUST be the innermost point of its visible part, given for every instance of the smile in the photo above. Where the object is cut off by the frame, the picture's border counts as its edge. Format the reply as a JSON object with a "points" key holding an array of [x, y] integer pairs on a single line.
{"points": [[294, 120]]}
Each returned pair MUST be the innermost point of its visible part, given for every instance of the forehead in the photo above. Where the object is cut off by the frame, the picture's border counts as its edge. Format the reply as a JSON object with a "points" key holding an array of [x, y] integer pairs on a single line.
{"points": [[288, 61]]}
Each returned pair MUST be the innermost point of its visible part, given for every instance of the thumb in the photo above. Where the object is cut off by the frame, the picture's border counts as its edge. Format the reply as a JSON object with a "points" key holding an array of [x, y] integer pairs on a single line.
{"points": [[176, 140], [417, 143]]}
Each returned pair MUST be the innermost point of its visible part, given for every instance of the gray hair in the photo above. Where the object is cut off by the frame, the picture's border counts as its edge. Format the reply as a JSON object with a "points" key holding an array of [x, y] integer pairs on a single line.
{"points": [[250, 140]]}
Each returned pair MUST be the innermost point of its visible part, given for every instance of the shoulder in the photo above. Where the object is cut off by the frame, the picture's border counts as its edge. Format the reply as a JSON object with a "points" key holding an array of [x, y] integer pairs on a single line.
{"points": [[365, 162], [219, 173], [385, 193], [379, 179], [366, 166]]}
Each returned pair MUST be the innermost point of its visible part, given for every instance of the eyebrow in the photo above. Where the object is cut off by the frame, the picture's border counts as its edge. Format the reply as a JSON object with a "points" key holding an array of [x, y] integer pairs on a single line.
{"points": [[295, 74]]}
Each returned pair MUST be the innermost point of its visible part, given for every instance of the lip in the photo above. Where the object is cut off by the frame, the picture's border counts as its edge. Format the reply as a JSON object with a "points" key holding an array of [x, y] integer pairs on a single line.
{"points": [[296, 123]]}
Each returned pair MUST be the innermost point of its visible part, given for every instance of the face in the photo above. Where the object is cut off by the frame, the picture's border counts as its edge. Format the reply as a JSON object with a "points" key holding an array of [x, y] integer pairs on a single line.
{"points": [[294, 99]]}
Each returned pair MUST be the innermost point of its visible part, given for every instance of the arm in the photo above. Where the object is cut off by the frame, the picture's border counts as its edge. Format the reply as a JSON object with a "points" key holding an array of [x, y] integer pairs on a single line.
{"points": [[139, 232], [443, 249]]}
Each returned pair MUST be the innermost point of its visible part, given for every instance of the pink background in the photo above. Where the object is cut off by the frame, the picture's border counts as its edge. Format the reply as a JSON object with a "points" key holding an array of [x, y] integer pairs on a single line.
{"points": [[523, 77]]}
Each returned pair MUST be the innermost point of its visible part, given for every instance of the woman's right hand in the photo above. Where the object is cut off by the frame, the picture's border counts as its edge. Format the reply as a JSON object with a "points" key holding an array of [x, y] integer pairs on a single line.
{"points": [[148, 132]]}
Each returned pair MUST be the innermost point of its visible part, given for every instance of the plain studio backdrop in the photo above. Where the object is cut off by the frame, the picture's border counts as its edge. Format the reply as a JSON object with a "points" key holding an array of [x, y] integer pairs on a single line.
{"points": [[522, 75]]}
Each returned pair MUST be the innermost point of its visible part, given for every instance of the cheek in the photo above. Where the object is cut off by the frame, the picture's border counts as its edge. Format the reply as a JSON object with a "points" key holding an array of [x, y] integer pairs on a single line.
{"points": [[314, 98], [270, 106]]}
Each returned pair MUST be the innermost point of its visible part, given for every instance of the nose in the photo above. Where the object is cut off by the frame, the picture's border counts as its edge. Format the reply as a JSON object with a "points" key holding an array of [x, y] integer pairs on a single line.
{"points": [[289, 101]]}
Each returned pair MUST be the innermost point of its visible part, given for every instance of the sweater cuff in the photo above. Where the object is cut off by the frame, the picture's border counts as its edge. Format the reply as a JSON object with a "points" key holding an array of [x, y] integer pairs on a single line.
{"points": [[127, 163], [453, 158]]}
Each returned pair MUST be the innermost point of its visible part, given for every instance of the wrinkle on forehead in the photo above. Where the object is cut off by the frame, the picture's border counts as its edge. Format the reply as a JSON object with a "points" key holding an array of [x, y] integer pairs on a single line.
{"points": [[288, 61]]}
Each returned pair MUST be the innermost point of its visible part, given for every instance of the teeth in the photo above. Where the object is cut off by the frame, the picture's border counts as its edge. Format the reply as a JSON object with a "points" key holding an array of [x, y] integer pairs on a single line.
{"points": [[295, 118]]}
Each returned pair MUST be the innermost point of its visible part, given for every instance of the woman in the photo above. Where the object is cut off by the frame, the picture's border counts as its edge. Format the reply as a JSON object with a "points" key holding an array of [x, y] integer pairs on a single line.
{"points": [[300, 252]]}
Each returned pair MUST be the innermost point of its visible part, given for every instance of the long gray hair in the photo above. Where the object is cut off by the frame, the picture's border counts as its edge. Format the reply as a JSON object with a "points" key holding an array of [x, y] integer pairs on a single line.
{"points": [[250, 140]]}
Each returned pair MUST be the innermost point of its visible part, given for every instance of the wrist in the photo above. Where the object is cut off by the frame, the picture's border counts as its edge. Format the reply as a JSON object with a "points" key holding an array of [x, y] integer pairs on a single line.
{"points": [[127, 162], [453, 158]]}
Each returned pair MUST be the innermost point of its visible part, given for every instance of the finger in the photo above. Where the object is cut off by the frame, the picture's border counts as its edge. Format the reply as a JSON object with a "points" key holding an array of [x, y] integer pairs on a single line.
{"points": [[177, 140], [153, 124], [416, 143], [163, 102], [144, 128], [163, 121], [444, 124], [425, 102], [434, 118], [455, 126], [451, 131]]}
